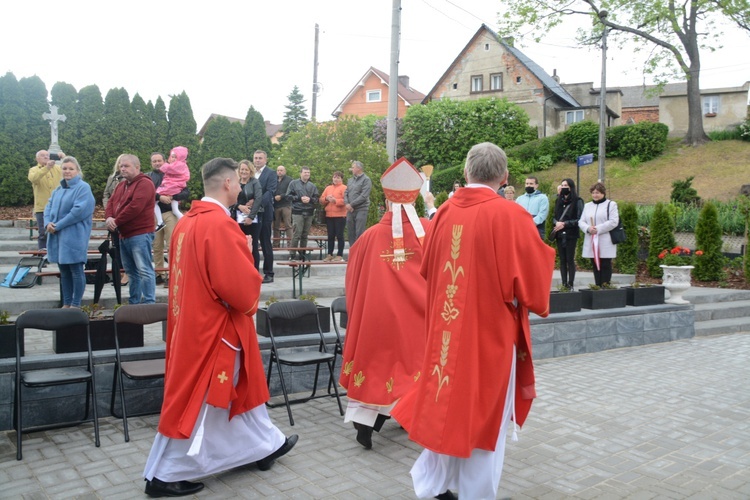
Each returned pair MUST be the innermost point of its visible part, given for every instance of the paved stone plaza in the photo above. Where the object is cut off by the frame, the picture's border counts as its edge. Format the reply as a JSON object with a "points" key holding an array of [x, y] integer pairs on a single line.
{"points": [[668, 420]]}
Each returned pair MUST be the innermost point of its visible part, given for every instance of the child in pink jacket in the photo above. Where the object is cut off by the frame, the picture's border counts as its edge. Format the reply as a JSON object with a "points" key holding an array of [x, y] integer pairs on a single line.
{"points": [[176, 176]]}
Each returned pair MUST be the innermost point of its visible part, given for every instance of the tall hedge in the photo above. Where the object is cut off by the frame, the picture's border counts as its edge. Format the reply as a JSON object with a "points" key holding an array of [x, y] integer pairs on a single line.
{"points": [[627, 251], [710, 265], [662, 237]]}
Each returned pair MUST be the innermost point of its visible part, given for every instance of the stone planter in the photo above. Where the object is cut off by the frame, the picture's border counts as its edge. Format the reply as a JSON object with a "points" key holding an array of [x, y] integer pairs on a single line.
{"points": [[645, 295], [564, 302], [8, 341], [676, 279], [102, 336], [604, 299], [291, 327]]}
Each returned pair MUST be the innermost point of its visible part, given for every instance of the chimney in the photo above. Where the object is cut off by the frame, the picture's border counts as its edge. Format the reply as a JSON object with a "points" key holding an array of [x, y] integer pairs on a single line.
{"points": [[404, 80], [509, 40], [554, 76]]}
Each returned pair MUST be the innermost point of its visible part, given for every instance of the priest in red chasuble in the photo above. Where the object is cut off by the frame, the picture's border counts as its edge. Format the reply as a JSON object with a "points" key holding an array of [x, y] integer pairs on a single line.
{"points": [[213, 416], [486, 268], [384, 344]]}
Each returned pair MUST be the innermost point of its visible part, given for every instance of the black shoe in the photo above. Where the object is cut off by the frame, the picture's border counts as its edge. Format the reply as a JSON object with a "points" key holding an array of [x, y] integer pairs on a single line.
{"points": [[266, 463], [448, 495], [364, 435], [267, 279], [159, 280], [160, 227], [159, 488]]}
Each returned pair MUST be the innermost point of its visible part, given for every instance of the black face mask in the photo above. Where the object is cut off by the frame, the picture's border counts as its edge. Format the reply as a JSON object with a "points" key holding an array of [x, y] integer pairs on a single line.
{"points": [[530, 189], [565, 191]]}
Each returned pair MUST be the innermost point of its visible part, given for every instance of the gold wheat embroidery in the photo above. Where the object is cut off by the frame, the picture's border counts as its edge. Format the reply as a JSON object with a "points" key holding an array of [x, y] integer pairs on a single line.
{"points": [[348, 367], [450, 311], [389, 385], [416, 377], [358, 379], [442, 379]]}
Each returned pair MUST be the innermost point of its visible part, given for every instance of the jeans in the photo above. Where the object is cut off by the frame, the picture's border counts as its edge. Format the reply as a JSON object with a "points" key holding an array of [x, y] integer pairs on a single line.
{"points": [[335, 226], [136, 259], [41, 242], [72, 283], [356, 223]]}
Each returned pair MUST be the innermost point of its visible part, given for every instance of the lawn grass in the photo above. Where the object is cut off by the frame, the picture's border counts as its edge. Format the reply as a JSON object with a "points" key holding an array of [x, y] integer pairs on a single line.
{"points": [[720, 169]]}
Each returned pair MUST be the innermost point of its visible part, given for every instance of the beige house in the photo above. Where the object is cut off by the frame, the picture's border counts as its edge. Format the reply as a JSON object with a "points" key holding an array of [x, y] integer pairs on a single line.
{"points": [[722, 108], [489, 66]]}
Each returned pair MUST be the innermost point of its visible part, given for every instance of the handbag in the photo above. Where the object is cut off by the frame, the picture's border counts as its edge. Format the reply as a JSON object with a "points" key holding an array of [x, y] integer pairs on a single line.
{"points": [[552, 236], [618, 233]]}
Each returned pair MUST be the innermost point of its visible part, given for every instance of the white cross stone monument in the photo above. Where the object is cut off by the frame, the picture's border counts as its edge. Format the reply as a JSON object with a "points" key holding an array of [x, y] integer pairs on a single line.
{"points": [[53, 118]]}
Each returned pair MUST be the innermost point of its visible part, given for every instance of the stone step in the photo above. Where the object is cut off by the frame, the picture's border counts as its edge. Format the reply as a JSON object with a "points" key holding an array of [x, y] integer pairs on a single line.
{"points": [[701, 295], [722, 310], [722, 326]]}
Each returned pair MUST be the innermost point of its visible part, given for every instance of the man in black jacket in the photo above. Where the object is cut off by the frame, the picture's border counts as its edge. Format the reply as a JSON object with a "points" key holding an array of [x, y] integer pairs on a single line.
{"points": [[282, 211], [268, 183], [162, 238], [304, 195]]}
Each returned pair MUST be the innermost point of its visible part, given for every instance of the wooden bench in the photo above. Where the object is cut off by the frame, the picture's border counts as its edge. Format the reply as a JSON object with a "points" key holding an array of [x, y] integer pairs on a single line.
{"points": [[31, 226], [321, 241], [305, 251], [300, 268]]}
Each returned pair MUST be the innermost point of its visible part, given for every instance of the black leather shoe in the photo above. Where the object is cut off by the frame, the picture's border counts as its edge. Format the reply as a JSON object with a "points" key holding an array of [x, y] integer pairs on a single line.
{"points": [[159, 280], [448, 495], [267, 279], [364, 435], [266, 463], [158, 488]]}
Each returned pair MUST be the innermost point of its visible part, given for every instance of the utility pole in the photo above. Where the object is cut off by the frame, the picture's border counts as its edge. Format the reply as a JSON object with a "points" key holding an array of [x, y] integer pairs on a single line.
{"points": [[315, 75], [603, 100], [390, 134]]}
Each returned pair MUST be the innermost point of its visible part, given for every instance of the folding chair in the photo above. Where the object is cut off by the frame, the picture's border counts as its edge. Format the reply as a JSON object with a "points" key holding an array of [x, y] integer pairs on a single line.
{"points": [[23, 275], [145, 369], [49, 320], [338, 306], [293, 356]]}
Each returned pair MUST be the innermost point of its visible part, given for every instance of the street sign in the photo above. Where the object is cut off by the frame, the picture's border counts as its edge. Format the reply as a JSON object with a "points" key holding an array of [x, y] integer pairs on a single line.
{"points": [[586, 159]]}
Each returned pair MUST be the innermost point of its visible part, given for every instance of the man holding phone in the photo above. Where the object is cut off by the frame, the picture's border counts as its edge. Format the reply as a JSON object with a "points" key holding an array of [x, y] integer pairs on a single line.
{"points": [[44, 178]]}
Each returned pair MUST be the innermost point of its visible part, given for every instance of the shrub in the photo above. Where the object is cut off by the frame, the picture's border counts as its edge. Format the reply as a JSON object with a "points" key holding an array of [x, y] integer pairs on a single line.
{"points": [[646, 140], [662, 236], [581, 138], [627, 251], [684, 192], [710, 265], [441, 198], [744, 129], [442, 180], [730, 134], [614, 139]]}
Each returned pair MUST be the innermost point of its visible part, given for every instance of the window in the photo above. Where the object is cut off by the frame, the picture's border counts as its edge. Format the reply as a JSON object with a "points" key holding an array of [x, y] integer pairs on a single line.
{"points": [[476, 83], [573, 116], [486, 46], [711, 105], [496, 81], [518, 80], [373, 96], [455, 86]]}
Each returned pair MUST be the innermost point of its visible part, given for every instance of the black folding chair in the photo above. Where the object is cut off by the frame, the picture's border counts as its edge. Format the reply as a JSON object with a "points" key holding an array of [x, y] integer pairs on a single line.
{"points": [[294, 356], [145, 369], [338, 306], [49, 320]]}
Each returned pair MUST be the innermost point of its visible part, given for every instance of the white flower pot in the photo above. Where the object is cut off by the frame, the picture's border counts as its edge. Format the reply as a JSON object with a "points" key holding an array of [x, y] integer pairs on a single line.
{"points": [[677, 281]]}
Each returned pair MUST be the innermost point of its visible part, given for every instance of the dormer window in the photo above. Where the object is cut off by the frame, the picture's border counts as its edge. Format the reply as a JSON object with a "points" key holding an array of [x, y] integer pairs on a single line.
{"points": [[373, 96]]}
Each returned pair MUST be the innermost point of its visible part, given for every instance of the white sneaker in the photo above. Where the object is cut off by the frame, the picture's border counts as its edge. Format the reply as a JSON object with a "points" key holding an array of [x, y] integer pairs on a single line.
{"points": [[329, 258], [338, 258]]}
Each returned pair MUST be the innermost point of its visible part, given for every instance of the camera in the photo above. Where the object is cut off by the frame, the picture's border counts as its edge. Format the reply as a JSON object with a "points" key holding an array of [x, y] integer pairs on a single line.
{"points": [[54, 156]]}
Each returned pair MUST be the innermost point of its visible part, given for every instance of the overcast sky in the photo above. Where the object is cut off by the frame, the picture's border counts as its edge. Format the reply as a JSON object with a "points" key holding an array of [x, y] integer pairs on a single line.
{"points": [[230, 54]]}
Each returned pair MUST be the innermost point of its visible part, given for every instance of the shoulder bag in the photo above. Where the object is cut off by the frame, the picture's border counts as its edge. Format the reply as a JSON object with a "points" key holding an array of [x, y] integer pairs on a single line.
{"points": [[618, 233]]}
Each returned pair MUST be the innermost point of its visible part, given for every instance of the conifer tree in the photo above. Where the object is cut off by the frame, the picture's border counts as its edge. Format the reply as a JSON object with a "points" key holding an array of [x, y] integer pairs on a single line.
{"points": [[710, 265], [159, 127], [295, 116], [34, 95], [255, 133], [662, 238], [223, 139], [140, 134], [90, 135], [65, 97], [627, 251]]}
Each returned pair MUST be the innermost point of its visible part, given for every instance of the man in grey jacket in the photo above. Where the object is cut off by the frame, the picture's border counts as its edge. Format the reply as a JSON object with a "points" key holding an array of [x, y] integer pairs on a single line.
{"points": [[357, 199], [282, 206], [304, 196]]}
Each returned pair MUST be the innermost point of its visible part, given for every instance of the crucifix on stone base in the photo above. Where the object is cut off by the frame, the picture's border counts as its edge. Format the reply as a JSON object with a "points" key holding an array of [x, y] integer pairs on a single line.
{"points": [[54, 118]]}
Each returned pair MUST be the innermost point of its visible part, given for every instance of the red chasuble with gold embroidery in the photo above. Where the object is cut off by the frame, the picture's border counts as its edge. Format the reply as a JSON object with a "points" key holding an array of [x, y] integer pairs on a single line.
{"points": [[213, 294], [384, 346], [482, 252]]}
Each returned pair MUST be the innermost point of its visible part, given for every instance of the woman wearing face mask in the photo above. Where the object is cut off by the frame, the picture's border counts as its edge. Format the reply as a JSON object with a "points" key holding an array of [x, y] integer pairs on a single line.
{"points": [[568, 209], [68, 220], [599, 217]]}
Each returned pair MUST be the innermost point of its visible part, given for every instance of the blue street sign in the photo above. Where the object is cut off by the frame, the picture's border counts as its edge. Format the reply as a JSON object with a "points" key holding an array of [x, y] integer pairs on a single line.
{"points": [[586, 159]]}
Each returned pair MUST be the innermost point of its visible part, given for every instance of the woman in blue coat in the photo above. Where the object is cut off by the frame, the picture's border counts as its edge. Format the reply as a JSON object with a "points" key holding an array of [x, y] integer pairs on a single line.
{"points": [[68, 218]]}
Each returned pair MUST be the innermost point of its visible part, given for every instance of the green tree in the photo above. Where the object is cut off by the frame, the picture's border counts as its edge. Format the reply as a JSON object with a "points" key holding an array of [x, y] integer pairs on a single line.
{"points": [[159, 127], [182, 132], [140, 134], [673, 33], [13, 115], [442, 132], [65, 97], [662, 238], [118, 125], [15, 188], [627, 251], [35, 103], [295, 116], [710, 265], [223, 139], [255, 133], [89, 138]]}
